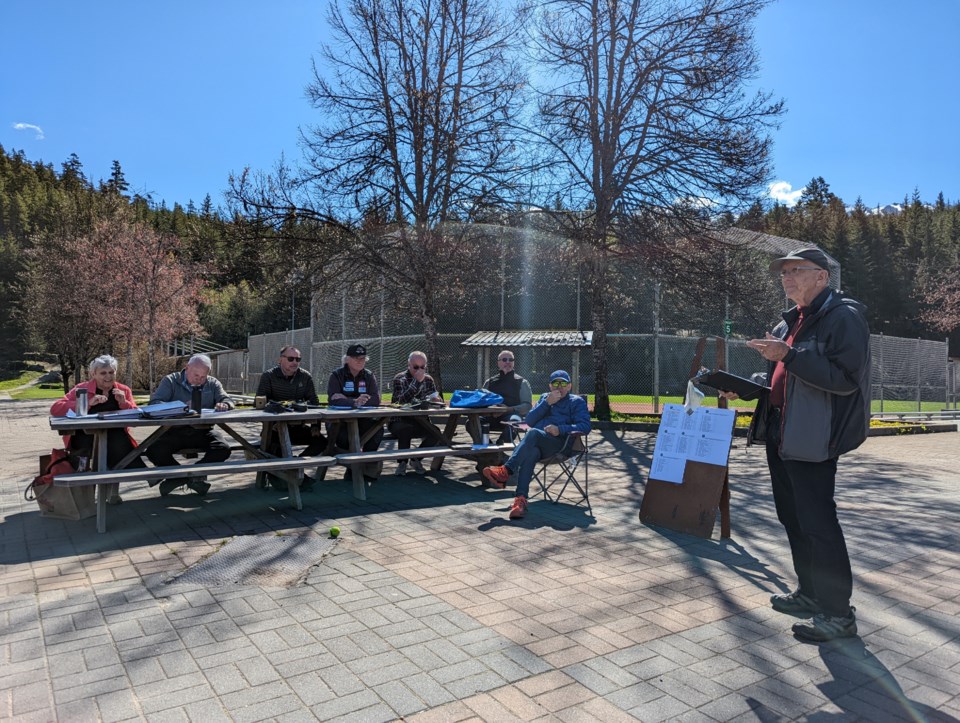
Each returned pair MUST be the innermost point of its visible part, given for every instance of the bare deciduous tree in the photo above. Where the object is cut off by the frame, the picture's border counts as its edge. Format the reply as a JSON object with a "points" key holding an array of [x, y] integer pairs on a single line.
{"points": [[643, 105], [417, 100]]}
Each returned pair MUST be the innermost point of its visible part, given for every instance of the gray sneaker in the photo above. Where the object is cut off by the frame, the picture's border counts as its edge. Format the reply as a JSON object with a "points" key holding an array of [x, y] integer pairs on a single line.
{"points": [[796, 603], [822, 627], [401, 469], [417, 466]]}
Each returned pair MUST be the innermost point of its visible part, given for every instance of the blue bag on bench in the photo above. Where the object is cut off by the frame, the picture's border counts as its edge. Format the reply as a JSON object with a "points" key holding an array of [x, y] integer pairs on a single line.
{"points": [[475, 398]]}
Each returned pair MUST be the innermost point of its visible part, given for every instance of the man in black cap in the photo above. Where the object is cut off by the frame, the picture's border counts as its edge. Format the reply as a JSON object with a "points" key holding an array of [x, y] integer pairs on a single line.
{"points": [[818, 408], [353, 385]]}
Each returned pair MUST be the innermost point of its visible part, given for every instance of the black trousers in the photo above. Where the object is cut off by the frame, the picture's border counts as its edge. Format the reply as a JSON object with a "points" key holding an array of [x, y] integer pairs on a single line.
{"points": [[207, 440], [118, 447], [372, 444], [803, 493], [406, 430], [299, 434]]}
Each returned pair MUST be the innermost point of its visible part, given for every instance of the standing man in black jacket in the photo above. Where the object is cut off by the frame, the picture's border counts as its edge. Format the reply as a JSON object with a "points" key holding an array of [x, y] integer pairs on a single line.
{"points": [[818, 408]]}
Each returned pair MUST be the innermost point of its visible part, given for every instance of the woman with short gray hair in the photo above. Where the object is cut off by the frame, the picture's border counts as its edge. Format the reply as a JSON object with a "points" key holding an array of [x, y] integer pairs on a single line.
{"points": [[104, 394]]}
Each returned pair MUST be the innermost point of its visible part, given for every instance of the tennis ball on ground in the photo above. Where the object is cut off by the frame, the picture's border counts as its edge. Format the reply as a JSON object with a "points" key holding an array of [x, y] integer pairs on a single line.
{"points": [[334, 531]]}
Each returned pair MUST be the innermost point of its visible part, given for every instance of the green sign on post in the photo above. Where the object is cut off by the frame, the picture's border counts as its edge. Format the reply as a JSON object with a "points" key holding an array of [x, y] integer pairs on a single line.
{"points": [[727, 327]]}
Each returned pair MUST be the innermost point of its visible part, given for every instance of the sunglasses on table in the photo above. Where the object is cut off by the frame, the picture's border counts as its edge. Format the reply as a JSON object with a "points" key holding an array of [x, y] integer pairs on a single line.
{"points": [[559, 384], [293, 358]]}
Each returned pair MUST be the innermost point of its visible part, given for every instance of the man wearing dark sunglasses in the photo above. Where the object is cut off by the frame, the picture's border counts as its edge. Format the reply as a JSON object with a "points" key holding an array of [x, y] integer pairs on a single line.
{"points": [[516, 393], [287, 382], [556, 415], [411, 386]]}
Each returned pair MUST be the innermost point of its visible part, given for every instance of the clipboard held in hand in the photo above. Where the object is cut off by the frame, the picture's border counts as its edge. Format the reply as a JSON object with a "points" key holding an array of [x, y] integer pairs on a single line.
{"points": [[746, 389]]}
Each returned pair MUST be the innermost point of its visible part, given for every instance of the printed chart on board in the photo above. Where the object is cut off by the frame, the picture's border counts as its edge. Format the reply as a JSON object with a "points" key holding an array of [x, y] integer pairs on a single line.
{"points": [[701, 436]]}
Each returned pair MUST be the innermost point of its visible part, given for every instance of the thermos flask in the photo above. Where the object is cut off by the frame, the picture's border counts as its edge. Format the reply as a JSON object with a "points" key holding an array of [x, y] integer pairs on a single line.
{"points": [[82, 402]]}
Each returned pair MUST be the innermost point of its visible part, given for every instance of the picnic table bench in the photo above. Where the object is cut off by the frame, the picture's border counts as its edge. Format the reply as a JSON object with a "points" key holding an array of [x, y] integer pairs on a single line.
{"points": [[396, 455]]}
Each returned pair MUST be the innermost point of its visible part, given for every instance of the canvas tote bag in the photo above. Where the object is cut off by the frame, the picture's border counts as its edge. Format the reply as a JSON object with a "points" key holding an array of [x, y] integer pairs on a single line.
{"points": [[62, 503]]}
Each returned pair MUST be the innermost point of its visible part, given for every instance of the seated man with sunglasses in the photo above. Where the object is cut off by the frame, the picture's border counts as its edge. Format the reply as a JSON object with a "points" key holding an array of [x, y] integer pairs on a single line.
{"points": [[410, 386], [556, 415], [287, 382]]}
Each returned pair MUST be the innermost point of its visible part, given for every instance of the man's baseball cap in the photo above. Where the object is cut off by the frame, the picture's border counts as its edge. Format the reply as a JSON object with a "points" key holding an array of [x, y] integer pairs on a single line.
{"points": [[813, 255], [560, 374], [356, 350]]}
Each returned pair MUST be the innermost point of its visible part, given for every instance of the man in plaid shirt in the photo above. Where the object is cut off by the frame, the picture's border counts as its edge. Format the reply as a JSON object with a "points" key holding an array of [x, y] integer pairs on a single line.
{"points": [[409, 387]]}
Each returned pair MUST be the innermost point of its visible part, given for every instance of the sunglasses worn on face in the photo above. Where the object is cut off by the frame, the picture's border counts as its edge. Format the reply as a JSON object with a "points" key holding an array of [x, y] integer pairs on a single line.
{"points": [[418, 366], [559, 384], [796, 270], [506, 358], [293, 358]]}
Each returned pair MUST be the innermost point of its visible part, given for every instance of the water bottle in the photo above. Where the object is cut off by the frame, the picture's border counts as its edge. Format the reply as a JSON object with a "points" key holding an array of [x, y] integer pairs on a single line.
{"points": [[485, 433], [82, 402]]}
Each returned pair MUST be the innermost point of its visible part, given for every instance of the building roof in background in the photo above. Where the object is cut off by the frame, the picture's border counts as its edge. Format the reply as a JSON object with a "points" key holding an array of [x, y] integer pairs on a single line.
{"points": [[553, 338]]}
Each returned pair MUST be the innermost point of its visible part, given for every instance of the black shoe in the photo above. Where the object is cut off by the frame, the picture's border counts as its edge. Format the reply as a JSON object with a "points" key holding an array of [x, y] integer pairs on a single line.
{"points": [[307, 483], [796, 603], [198, 485], [822, 627], [169, 485]]}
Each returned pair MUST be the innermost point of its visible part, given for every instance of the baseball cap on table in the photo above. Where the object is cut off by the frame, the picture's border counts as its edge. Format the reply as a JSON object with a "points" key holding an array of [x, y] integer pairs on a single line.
{"points": [[814, 255], [356, 350], [560, 374]]}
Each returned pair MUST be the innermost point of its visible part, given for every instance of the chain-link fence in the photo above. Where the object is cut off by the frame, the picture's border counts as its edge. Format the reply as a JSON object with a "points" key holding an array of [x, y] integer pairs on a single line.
{"points": [[650, 366], [910, 370], [538, 282]]}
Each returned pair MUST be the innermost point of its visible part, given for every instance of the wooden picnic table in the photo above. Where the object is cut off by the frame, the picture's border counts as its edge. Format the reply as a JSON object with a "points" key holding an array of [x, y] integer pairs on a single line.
{"points": [[259, 461], [226, 421], [357, 457]]}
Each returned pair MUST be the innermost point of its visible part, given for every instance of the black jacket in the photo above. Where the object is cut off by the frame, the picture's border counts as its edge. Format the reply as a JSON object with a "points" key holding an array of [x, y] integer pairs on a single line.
{"points": [[826, 411]]}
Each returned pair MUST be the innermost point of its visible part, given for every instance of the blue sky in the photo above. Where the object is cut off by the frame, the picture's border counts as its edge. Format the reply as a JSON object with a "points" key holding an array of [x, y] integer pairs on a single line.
{"points": [[182, 93]]}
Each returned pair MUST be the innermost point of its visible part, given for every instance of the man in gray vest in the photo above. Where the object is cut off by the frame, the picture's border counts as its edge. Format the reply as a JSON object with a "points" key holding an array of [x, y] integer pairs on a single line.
{"points": [[196, 388]]}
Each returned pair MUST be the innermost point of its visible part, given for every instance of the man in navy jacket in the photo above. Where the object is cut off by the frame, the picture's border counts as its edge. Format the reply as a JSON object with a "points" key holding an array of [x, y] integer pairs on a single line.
{"points": [[556, 415]]}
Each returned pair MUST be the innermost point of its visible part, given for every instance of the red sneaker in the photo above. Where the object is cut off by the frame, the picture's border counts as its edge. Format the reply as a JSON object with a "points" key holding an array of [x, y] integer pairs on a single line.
{"points": [[519, 508], [497, 476]]}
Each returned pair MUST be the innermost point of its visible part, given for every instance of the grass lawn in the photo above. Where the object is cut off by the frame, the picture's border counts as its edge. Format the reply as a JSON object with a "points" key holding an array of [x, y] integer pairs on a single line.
{"points": [[37, 393], [7, 384], [616, 399], [889, 406]]}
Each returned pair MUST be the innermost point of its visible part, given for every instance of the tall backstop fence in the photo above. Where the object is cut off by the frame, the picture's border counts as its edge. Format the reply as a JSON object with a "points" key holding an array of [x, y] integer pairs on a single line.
{"points": [[906, 373]]}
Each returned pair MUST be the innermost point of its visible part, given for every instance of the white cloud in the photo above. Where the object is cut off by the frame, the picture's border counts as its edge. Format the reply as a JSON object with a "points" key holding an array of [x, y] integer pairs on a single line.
{"points": [[783, 192], [29, 127]]}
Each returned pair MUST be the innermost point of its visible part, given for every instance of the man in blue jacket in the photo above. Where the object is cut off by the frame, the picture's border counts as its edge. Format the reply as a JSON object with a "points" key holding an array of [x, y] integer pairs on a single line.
{"points": [[556, 415]]}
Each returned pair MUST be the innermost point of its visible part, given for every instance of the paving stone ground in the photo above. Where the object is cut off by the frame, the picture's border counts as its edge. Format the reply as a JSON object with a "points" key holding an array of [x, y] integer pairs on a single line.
{"points": [[433, 607]]}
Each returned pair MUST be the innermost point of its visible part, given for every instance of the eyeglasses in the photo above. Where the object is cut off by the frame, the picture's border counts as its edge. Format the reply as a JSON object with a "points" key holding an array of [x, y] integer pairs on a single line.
{"points": [[292, 358], [506, 358], [559, 384], [418, 366], [797, 269]]}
